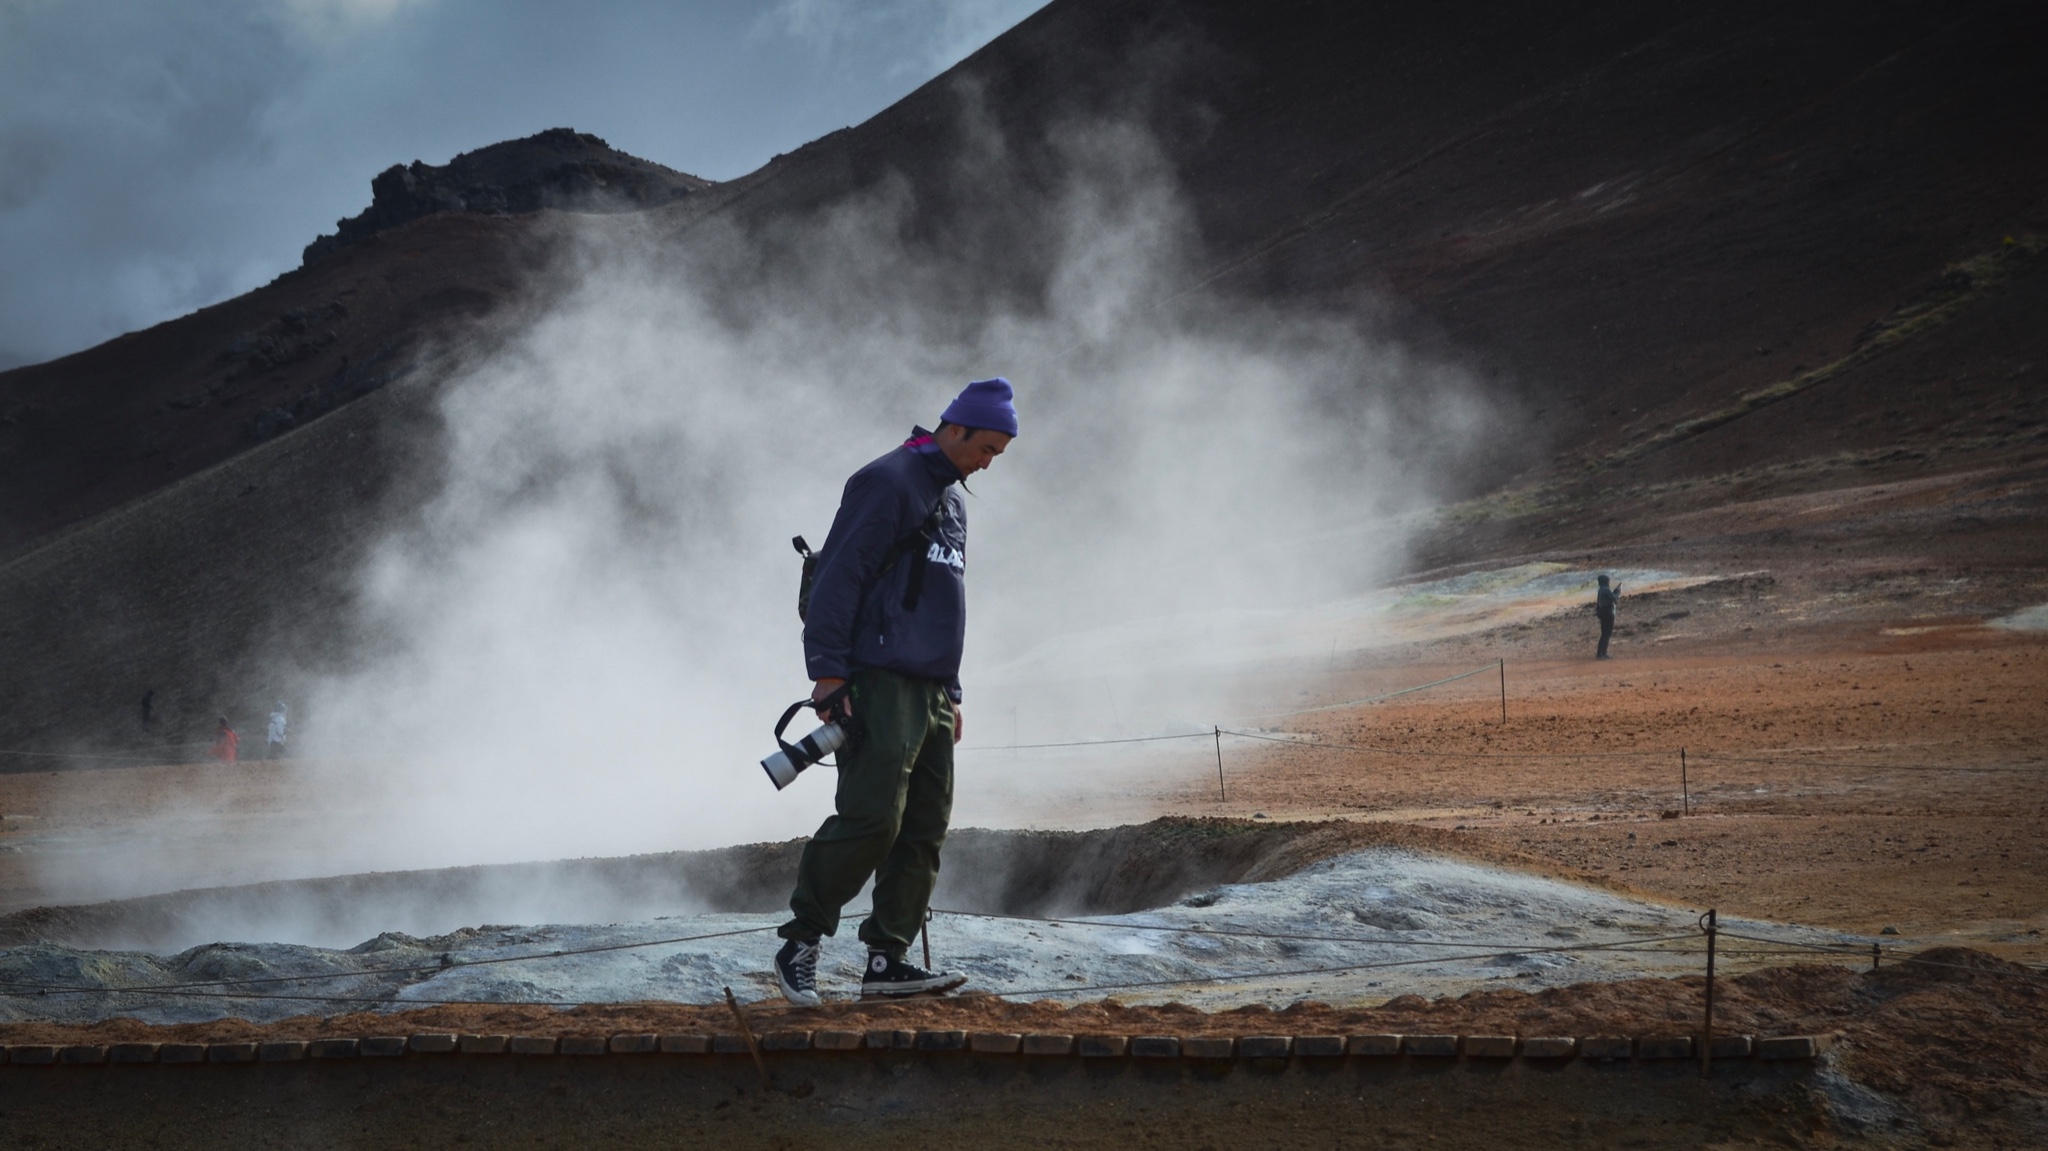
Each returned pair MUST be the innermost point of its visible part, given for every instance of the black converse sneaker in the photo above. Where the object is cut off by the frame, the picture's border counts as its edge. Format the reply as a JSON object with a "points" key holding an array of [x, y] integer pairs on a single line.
{"points": [[796, 969], [887, 975]]}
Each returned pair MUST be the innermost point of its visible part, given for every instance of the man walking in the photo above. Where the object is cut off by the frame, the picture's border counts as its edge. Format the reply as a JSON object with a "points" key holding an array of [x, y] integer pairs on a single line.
{"points": [[1603, 607], [882, 643]]}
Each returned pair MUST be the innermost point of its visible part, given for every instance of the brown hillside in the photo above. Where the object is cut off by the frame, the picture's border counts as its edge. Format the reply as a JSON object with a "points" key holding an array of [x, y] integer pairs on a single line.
{"points": [[1717, 255], [1634, 215], [97, 429], [438, 249]]}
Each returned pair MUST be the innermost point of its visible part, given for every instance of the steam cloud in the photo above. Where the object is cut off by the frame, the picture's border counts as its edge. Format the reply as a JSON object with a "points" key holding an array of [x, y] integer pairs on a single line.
{"points": [[595, 617], [587, 633]]}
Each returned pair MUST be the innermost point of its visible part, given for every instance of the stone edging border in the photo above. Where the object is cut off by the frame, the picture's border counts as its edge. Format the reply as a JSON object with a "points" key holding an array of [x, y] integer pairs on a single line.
{"points": [[1476, 1048]]}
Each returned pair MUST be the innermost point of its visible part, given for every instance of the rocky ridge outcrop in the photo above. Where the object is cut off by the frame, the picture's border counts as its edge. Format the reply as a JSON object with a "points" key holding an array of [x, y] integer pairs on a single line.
{"points": [[560, 168]]}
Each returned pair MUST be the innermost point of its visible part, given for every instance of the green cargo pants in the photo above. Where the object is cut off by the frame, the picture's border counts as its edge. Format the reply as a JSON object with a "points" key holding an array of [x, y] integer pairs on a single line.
{"points": [[894, 801]]}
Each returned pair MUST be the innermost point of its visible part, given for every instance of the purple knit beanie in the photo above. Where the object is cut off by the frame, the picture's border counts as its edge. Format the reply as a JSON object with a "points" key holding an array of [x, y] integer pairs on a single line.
{"points": [[984, 404]]}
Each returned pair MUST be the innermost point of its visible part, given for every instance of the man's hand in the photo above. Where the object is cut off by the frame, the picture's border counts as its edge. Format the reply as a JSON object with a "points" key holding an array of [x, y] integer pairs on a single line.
{"points": [[959, 723], [825, 687]]}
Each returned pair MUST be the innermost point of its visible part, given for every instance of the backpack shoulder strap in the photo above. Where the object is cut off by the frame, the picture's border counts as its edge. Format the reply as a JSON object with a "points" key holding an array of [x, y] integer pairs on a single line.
{"points": [[917, 539]]}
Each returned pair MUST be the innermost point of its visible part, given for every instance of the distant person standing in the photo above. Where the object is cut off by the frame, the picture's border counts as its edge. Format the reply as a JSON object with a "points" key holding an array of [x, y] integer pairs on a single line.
{"points": [[149, 711], [279, 717], [1603, 607], [226, 742]]}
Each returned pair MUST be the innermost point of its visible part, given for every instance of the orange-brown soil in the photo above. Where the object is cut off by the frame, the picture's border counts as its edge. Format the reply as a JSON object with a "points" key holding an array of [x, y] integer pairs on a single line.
{"points": [[1825, 787], [1849, 780]]}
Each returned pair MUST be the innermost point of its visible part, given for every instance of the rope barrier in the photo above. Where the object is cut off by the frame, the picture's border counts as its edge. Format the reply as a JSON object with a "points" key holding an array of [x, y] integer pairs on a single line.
{"points": [[1647, 753], [1393, 941], [1318, 744], [1093, 742], [1127, 985], [272, 995], [19, 991], [1497, 664], [1840, 949], [1378, 698], [1241, 977], [1790, 947], [437, 968], [1912, 958], [1417, 752], [412, 970], [1834, 948], [212, 989], [1422, 753], [1789, 761]]}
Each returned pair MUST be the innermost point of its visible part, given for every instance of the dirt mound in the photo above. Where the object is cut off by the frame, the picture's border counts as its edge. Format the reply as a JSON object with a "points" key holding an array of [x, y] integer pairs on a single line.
{"points": [[1108, 871], [1955, 966]]}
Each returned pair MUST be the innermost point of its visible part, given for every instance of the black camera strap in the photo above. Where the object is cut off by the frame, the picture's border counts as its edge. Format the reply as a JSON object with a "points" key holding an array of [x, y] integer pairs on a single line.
{"points": [[830, 702]]}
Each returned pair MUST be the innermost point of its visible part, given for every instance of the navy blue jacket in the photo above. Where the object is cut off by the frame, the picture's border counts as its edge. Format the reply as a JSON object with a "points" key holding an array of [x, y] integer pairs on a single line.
{"points": [[857, 618]]}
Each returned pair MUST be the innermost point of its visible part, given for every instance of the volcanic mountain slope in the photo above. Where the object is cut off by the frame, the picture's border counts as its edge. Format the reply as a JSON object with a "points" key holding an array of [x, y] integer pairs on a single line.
{"points": [[1713, 255], [1725, 242], [92, 431]]}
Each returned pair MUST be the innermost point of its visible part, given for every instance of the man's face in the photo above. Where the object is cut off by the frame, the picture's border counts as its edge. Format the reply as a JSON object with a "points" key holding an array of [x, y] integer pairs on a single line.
{"points": [[971, 449]]}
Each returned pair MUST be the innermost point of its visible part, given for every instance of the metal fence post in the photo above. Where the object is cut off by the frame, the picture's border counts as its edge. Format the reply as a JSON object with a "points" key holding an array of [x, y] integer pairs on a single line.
{"points": [[1220, 794], [1710, 923]]}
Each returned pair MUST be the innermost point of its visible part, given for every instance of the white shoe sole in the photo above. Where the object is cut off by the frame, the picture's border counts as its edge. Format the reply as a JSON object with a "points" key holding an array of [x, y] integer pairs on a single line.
{"points": [[914, 987]]}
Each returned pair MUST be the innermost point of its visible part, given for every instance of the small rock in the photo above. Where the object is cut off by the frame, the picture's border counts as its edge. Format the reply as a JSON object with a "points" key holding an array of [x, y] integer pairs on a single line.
{"points": [[1889, 930]]}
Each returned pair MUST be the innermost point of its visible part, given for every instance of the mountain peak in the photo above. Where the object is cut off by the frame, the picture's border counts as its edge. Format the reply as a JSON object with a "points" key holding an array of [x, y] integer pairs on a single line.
{"points": [[560, 168]]}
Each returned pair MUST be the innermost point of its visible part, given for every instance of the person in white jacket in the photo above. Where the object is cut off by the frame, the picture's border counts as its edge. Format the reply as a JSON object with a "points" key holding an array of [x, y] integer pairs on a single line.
{"points": [[279, 718]]}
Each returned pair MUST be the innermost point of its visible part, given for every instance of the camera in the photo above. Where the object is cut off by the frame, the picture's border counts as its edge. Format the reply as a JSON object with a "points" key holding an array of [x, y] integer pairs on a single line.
{"points": [[784, 766]]}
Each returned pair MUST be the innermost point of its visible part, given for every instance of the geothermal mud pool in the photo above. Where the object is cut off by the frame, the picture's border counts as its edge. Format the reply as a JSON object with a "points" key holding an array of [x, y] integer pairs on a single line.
{"points": [[1400, 921]]}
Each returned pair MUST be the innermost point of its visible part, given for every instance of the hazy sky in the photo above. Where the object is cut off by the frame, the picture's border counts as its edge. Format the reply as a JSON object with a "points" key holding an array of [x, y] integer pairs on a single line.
{"points": [[160, 155]]}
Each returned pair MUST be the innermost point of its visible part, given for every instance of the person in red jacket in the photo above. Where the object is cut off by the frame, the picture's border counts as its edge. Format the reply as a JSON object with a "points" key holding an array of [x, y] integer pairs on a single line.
{"points": [[225, 741]]}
